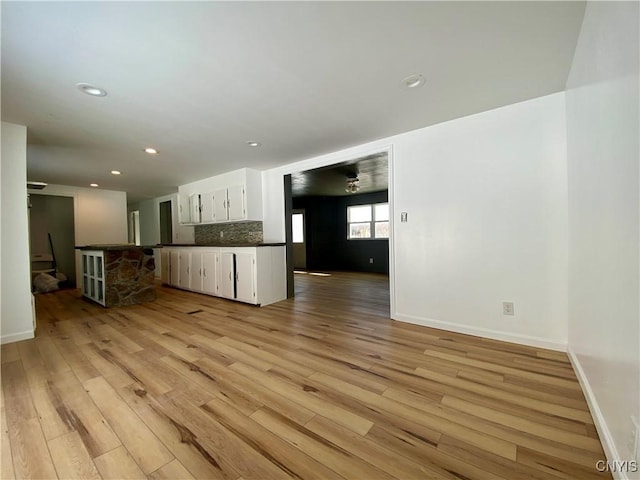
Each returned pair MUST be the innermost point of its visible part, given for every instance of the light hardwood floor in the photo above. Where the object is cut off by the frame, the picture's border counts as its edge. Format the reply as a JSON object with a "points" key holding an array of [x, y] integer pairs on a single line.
{"points": [[321, 386]]}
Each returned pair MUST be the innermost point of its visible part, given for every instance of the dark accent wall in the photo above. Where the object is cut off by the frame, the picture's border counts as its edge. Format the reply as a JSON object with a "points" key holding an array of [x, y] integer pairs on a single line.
{"points": [[326, 228]]}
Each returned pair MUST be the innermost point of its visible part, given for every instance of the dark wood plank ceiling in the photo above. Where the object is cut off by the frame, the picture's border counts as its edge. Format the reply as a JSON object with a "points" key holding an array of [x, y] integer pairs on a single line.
{"points": [[372, 172]]}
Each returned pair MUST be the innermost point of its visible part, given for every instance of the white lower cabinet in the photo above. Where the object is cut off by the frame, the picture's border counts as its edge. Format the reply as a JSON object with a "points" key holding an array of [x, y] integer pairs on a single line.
{"points": [[210, 263], [245, 277], [255, 275], [165, 263], [237, 275], [227, 275], [179, 268], [202, 271], [195, 272], [184, 269], [174, 267]]}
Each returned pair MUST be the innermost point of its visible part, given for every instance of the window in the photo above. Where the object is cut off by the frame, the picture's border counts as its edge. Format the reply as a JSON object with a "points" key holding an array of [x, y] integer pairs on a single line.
{"points": [[297, 224], [368, 221]]}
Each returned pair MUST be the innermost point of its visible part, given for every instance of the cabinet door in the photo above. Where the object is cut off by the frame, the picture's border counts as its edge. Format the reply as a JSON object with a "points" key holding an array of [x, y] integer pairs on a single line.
{"points": [[206, 208], [195, 272], [165, 266], [245, 291], [184, 212], [220, 212], [93, 281], [100, 281], [174, 268], [210, 262], [227, 275], [194, 207], [185, 267], [236, 202]]}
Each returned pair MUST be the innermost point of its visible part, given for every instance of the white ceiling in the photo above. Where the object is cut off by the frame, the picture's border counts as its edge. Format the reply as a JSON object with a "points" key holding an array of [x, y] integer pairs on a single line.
{"points": [[197, 80]]}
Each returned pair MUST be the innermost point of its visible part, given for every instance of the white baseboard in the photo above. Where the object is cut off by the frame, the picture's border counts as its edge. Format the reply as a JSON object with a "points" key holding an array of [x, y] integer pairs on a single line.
{"points": [[610, 450], [16, 337], [483, 332]]}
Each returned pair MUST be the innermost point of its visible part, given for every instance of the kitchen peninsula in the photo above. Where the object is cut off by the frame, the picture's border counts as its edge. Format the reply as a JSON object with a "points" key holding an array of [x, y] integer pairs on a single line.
{"points": [[118, 275]]}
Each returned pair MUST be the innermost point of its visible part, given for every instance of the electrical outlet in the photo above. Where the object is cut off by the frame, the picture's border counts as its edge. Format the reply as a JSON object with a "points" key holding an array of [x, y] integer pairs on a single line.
{"points": [[403, 217], [221, 234], [371, 260], [507, 308], [634, 438]]}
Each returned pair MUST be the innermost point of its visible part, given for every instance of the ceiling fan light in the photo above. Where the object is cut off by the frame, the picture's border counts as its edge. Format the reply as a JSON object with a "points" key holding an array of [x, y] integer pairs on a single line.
{"points": [[352, 185]]}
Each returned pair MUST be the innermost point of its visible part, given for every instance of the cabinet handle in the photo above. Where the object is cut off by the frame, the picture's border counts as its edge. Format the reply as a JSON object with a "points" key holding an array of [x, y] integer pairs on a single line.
{"points": [[237, 276], [229, 275], [204, 272], [187, 270]]}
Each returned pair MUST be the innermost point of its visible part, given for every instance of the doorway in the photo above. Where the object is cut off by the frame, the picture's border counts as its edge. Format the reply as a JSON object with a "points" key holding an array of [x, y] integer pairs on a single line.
{"points": [[166, 225], [319, 200], [51, 215], [134, 227]]}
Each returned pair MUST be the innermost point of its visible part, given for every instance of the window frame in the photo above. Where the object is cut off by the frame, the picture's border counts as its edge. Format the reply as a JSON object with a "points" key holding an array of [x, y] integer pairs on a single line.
{"points": [[372, 223]]}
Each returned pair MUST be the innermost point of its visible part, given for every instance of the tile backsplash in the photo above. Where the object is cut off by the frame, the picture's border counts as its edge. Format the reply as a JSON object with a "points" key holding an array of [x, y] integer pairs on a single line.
{"points": [[223, 233]]}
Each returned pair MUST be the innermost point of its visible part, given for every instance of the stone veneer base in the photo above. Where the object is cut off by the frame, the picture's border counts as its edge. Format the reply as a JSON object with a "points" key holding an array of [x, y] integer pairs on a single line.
{"points": [[129, 277]]}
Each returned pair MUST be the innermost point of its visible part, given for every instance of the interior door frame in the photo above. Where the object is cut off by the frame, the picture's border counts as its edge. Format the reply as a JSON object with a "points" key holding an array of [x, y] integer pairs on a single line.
{"points": [[336, 160]]}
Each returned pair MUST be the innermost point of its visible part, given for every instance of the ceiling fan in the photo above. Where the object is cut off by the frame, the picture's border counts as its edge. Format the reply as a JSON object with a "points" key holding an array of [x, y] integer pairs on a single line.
{"points": [[353, 183]]}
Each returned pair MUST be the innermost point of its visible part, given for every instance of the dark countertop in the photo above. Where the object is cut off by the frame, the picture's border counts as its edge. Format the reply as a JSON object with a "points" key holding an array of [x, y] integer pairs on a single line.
{"points": [[112, 246], [230, 245]]}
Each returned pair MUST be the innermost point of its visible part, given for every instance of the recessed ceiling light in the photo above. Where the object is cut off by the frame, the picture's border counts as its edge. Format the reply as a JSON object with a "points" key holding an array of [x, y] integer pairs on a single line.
{"points": [[252, 143], [91, 90], [115, 172], [413, 81], [151, 151], [93, 185]]}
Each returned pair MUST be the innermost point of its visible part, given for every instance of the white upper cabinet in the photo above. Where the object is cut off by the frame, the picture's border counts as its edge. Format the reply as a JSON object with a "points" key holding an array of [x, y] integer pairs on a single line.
{"points": [[194, 208], [229, 204], [184, 210], [220, 210], [236, 198], [230, 197], [206, 208]]}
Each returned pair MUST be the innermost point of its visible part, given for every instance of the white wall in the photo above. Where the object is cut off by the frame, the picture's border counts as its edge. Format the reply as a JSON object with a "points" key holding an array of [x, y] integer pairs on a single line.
{"points": [[486, 198], [16, 313], [603, 176], [100, 216], [150, 225], [210, 184]]}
